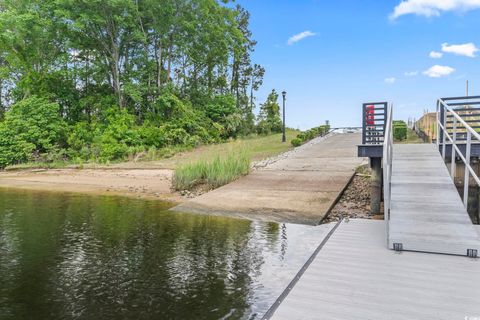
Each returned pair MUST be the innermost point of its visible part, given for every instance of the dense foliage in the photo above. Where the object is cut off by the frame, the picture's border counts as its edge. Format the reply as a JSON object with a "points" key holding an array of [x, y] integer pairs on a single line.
{"points": [[31, 127], [305, 136], [399, 130], [105, 79]]}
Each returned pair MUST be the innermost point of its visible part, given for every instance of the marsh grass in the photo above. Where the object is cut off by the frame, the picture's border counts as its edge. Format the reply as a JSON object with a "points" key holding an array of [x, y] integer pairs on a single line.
{"points": [[214, 172]]}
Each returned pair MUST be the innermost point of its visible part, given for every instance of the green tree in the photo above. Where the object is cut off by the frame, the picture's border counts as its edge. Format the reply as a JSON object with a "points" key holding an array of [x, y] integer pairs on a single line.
{"points": [[167, 73], [31, 127], [270, 115]]}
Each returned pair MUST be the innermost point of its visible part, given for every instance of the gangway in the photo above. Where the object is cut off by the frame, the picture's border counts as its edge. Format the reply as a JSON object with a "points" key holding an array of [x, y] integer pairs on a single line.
{"points": [[424, 210]]}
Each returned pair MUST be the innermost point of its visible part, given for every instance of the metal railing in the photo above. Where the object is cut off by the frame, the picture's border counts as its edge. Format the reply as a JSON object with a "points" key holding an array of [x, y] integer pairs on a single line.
{"points": [[373, 122], [387, 165], [457, 119]]}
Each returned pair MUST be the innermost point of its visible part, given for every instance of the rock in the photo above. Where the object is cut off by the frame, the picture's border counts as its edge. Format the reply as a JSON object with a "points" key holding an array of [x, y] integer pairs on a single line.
{"points": [[355, 201]]}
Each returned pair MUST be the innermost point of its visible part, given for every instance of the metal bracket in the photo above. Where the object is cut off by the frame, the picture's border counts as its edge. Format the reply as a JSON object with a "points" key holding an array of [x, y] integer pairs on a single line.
{"points": [[472, 253], [398, 246]]}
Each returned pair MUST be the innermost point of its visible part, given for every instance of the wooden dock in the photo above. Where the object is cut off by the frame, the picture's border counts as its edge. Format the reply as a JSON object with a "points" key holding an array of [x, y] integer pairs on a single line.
{"points": [[427, 213], [354, 276]]}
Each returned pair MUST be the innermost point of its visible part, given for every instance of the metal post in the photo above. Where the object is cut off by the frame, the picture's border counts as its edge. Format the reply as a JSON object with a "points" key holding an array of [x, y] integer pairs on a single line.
{"points": [[384, 119], [478, 206], [364, 127], [437, 125], [444, 123], [284, 138], [376, 185], [467, 165], [454, 140]]}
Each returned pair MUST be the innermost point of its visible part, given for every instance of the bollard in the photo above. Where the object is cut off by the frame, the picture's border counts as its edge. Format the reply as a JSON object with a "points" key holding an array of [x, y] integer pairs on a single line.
{"points": [[376, 185]]}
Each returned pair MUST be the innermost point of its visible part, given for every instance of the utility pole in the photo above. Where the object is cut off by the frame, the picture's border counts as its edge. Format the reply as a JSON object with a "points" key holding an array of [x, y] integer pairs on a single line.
{"points": [[284, 94], [467, 88]]}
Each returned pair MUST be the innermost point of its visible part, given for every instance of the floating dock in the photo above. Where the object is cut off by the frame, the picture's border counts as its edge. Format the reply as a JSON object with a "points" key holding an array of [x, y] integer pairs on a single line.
{"points": [[354, 276]]}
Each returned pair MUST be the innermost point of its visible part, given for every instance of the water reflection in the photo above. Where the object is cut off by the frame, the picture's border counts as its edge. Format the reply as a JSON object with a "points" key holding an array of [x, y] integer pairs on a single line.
{"points": [[79, 257]]}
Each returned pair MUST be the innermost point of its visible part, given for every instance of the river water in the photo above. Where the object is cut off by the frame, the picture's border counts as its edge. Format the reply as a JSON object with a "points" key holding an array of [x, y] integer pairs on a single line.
{"points": [[71, 256]]}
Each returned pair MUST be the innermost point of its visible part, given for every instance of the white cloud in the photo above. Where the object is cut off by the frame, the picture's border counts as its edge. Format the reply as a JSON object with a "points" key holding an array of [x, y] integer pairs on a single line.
{"points": [[435, 55], [432, 8], [466, 49], [438, 71], [300, 36], [411, 73], [390, 80]]}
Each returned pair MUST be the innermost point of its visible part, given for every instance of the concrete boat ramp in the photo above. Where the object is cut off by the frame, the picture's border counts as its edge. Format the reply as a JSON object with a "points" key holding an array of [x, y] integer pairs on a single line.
{"points": [[300, 186]]}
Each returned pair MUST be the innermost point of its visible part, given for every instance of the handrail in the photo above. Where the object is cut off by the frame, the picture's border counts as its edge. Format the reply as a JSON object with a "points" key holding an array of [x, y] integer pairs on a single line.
{"points": [[387, 165], [443, 108]]}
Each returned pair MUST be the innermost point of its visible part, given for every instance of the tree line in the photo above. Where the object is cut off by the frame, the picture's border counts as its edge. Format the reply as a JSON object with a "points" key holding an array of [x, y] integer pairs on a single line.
{"points": [[104, 79]]}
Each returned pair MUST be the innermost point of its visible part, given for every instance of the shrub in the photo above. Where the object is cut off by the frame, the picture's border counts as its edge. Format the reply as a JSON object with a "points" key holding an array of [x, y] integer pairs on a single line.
{"points": [[80, 135], [301, 136], [168, 106], [151, 135], [80, 140], [31, 127], [13, 149], [221, 107], [305, 136], [399, 130], [120, 125], [112, 137], [233, 124], [174, 135], [296, 142], [110, 148]]}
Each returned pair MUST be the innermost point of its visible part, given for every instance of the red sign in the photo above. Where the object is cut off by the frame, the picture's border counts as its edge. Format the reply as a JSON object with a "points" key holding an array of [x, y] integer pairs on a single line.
{"points": [[370, 115]]}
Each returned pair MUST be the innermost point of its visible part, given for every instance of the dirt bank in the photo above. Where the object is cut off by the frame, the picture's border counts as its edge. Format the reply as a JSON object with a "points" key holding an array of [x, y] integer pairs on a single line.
{"points": [[138, 183]]}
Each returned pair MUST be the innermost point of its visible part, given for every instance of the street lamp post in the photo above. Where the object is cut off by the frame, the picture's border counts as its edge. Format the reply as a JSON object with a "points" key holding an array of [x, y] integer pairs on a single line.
{"points": [[284, 94]]}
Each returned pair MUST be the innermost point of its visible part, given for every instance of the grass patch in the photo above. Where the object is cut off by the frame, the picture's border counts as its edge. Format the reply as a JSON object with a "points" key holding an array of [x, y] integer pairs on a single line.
{"points": [[40, 165], [214, 172], [258, 147], [412, 137]]}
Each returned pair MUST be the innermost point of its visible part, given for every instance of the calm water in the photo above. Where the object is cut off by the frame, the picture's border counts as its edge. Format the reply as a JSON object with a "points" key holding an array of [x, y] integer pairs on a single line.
{"points": [[65, 256]]}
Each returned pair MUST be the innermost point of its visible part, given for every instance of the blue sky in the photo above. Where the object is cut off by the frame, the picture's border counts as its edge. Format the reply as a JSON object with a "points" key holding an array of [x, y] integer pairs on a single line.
{"points": [[361, 51]]}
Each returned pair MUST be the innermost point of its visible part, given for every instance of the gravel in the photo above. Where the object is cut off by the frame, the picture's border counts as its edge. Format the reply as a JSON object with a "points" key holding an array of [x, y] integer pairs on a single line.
{"points": [[355, 201]]}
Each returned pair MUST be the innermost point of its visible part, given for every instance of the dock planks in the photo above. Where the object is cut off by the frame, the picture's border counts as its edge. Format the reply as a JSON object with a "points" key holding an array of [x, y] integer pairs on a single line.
{"points": [[354, 276], [427, 213]]}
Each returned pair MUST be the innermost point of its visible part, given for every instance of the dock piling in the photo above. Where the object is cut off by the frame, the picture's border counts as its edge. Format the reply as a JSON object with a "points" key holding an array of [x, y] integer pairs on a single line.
{"points": [[376, 185]]}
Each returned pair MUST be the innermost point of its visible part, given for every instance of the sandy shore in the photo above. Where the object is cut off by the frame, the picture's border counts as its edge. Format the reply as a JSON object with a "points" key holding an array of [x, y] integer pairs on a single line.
{"points": [[138, 183]]}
